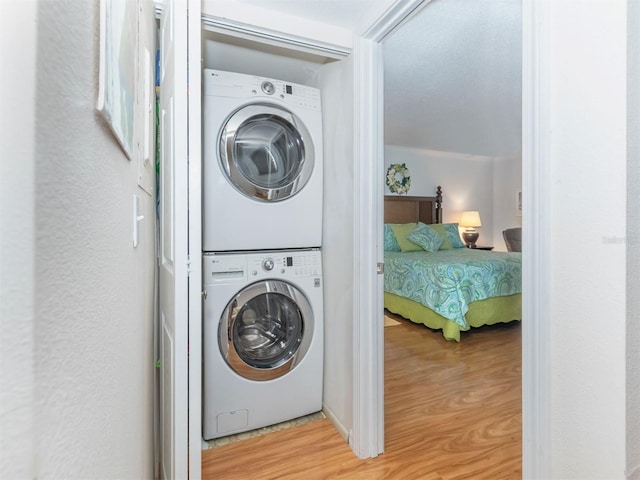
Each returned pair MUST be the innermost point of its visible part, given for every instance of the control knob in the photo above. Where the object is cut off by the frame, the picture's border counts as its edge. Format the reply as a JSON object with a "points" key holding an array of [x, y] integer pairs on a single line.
{"points": [[268, 88], [268, 264]]}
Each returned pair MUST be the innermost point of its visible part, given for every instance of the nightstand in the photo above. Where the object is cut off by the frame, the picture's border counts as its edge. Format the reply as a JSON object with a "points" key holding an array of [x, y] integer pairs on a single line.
{"points": [[480, 247]]}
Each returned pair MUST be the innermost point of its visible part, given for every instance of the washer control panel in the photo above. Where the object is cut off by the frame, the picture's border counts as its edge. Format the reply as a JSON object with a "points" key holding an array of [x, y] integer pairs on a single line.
{"points": [[285, 264], [241, 266]]}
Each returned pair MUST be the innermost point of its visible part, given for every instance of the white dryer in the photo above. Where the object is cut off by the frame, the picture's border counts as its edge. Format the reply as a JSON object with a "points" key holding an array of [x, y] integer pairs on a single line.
{"points": [[262, 163], [263, 339]]}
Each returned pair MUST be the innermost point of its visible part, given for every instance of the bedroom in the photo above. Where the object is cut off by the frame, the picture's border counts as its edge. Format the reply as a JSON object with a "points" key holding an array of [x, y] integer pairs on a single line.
{"points": [[465, 97], [453, 120]]}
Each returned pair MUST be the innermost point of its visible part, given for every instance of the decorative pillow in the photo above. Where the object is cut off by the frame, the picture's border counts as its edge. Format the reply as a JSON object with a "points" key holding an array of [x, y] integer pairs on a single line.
{"points": [[453, 233], [390, 242], [401, 230], [450, 235], [441, 230], [426, 237]]}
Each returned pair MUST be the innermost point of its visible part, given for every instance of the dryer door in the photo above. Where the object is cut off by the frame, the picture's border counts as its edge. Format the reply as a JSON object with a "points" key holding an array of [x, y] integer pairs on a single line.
{"points": [[266, 152], [266, 330]]}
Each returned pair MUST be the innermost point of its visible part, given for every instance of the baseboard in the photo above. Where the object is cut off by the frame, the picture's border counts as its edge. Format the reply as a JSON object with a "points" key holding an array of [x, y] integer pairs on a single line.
{"points": [[342, 430]]}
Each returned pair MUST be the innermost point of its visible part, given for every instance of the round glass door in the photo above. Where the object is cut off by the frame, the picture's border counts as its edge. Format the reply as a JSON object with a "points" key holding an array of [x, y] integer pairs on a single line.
{"points": [[266, 152], [265, 330]]}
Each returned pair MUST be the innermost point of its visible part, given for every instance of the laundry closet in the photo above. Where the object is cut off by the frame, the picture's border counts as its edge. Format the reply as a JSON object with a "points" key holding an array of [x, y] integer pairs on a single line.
{"points": [[313, 85], [294, 62]]}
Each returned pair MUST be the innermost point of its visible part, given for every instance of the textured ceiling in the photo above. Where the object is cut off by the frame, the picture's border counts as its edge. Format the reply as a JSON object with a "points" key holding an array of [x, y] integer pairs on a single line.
{"points": [[453, 78], [452, 73]]}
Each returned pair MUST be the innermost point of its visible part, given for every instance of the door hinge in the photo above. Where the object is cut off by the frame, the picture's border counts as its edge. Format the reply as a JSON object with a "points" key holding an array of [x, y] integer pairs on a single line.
{"points": [[380, 268], [188, 265]]}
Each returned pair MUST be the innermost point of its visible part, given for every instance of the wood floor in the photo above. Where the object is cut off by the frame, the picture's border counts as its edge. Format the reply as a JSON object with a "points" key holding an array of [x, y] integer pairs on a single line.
{"points": [[452, 411]]}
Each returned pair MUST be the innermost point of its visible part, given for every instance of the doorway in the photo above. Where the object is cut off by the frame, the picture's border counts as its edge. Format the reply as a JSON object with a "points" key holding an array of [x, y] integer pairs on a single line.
{"points": [[368, 367], [452, 116]]}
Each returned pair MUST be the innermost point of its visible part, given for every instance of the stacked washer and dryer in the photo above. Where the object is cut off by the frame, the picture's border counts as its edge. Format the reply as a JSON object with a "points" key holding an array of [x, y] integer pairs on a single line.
{"points": [[262, 232]]}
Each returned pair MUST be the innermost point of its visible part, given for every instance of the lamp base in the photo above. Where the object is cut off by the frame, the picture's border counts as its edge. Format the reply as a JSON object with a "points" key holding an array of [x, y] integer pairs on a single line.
{"points": [[470, 238]]}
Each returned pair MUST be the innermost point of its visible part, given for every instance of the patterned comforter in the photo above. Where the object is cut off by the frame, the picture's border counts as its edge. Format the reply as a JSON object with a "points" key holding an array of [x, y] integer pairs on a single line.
{"points": [[447, 281]]}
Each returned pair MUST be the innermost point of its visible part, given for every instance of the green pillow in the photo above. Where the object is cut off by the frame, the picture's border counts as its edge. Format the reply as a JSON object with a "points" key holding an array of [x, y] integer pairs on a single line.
{"points": [[401, 230], [426, 237]]}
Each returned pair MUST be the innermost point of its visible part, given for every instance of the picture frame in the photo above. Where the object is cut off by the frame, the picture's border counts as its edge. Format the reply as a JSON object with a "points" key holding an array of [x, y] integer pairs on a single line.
{"points": [[117, 69], [519, 203]]}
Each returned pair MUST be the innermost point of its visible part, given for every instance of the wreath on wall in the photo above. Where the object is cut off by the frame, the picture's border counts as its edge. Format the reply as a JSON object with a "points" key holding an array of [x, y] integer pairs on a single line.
{"points": [[398, 178]]}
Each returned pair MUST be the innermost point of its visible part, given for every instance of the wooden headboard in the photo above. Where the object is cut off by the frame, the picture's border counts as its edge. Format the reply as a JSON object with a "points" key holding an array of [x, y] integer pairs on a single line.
{"points": [[403, 209]]}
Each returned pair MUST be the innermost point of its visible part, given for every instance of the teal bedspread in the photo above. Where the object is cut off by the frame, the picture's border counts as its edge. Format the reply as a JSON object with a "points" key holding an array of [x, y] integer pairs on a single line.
{"points": [[447, 281]]}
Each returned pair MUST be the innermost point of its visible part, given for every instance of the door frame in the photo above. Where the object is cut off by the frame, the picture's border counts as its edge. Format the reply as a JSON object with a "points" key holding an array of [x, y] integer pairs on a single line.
{"points": [[368, 369], [194, 257]]}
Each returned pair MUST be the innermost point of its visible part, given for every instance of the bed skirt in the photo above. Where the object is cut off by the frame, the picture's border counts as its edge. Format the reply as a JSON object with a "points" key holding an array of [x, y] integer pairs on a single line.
{"points": [[484, 312]]}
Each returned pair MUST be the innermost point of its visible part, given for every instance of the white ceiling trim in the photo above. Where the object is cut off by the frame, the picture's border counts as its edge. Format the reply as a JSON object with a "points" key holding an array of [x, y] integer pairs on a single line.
{"points": [[397, 15], [272, 37]]}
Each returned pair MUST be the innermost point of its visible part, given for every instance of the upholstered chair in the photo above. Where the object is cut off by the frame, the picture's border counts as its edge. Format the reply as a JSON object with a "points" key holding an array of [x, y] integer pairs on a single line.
{"points": [[513, 239]]}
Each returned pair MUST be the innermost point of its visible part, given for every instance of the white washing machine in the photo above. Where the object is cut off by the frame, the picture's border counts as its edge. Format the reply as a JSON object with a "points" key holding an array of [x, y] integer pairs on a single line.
{"points": [[263, 339], [262, 163]]}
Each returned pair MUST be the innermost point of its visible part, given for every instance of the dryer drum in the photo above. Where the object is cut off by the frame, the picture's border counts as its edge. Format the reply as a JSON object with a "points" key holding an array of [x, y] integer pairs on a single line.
{"points": [[266, 152], [266, 330]]}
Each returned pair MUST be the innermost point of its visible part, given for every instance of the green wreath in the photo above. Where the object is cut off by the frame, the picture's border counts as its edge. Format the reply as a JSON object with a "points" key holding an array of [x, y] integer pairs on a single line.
{"points": [[398, 179]]}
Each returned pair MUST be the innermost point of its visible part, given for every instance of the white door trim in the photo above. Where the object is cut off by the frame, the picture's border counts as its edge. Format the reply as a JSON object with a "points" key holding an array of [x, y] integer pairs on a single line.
{"points": [[194, 55], [368, 435], [536, 256]]}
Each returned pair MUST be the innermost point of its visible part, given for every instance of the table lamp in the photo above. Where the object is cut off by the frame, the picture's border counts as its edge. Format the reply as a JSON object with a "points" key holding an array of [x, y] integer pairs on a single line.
{"points": [[470, 221]]}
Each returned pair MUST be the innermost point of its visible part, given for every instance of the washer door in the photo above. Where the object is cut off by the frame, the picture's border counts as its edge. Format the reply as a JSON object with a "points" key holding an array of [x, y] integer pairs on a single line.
{"points": [[266, 330], [266, 152]]}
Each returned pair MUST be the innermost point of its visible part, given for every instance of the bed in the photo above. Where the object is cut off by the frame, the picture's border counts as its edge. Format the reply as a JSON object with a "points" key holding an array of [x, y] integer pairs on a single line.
{"points": [[444, 286]]}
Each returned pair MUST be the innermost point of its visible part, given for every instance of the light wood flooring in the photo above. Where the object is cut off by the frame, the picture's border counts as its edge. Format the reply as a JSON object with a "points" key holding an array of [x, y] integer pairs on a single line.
{"points": [[452, 411]]}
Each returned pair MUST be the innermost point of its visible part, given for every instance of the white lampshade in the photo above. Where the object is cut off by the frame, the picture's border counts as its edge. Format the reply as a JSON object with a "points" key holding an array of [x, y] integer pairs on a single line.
{"points": [[470, 219]]}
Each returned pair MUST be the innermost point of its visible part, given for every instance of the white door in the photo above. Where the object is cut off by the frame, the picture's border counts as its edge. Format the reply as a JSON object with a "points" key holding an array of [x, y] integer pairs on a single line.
{"points": [[173, 312]]}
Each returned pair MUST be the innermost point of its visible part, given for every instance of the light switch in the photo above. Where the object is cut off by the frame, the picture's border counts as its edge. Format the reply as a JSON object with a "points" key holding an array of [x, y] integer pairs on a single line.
{"points": [[137, 218]]}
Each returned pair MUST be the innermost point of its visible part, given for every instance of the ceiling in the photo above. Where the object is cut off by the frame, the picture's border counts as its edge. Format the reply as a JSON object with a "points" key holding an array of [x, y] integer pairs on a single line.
{"points": [[452, 73], [354, 15]]}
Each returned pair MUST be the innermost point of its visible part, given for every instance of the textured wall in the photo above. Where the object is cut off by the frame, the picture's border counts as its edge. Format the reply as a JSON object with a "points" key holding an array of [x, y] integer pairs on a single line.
{"points": [[93, 290], [17, 115], [586, 182]]}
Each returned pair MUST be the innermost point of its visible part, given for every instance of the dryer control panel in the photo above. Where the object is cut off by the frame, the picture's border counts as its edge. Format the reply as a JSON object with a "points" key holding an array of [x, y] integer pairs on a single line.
{"points": [[242, 266], [239, 85]]}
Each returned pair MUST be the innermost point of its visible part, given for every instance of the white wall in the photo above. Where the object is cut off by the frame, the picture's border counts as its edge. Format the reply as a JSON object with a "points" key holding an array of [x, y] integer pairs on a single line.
{"points": [[507, 181], [94, 292], [466, 180], [17, 130], [633, 241], [586, 78], [234, 55]]}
